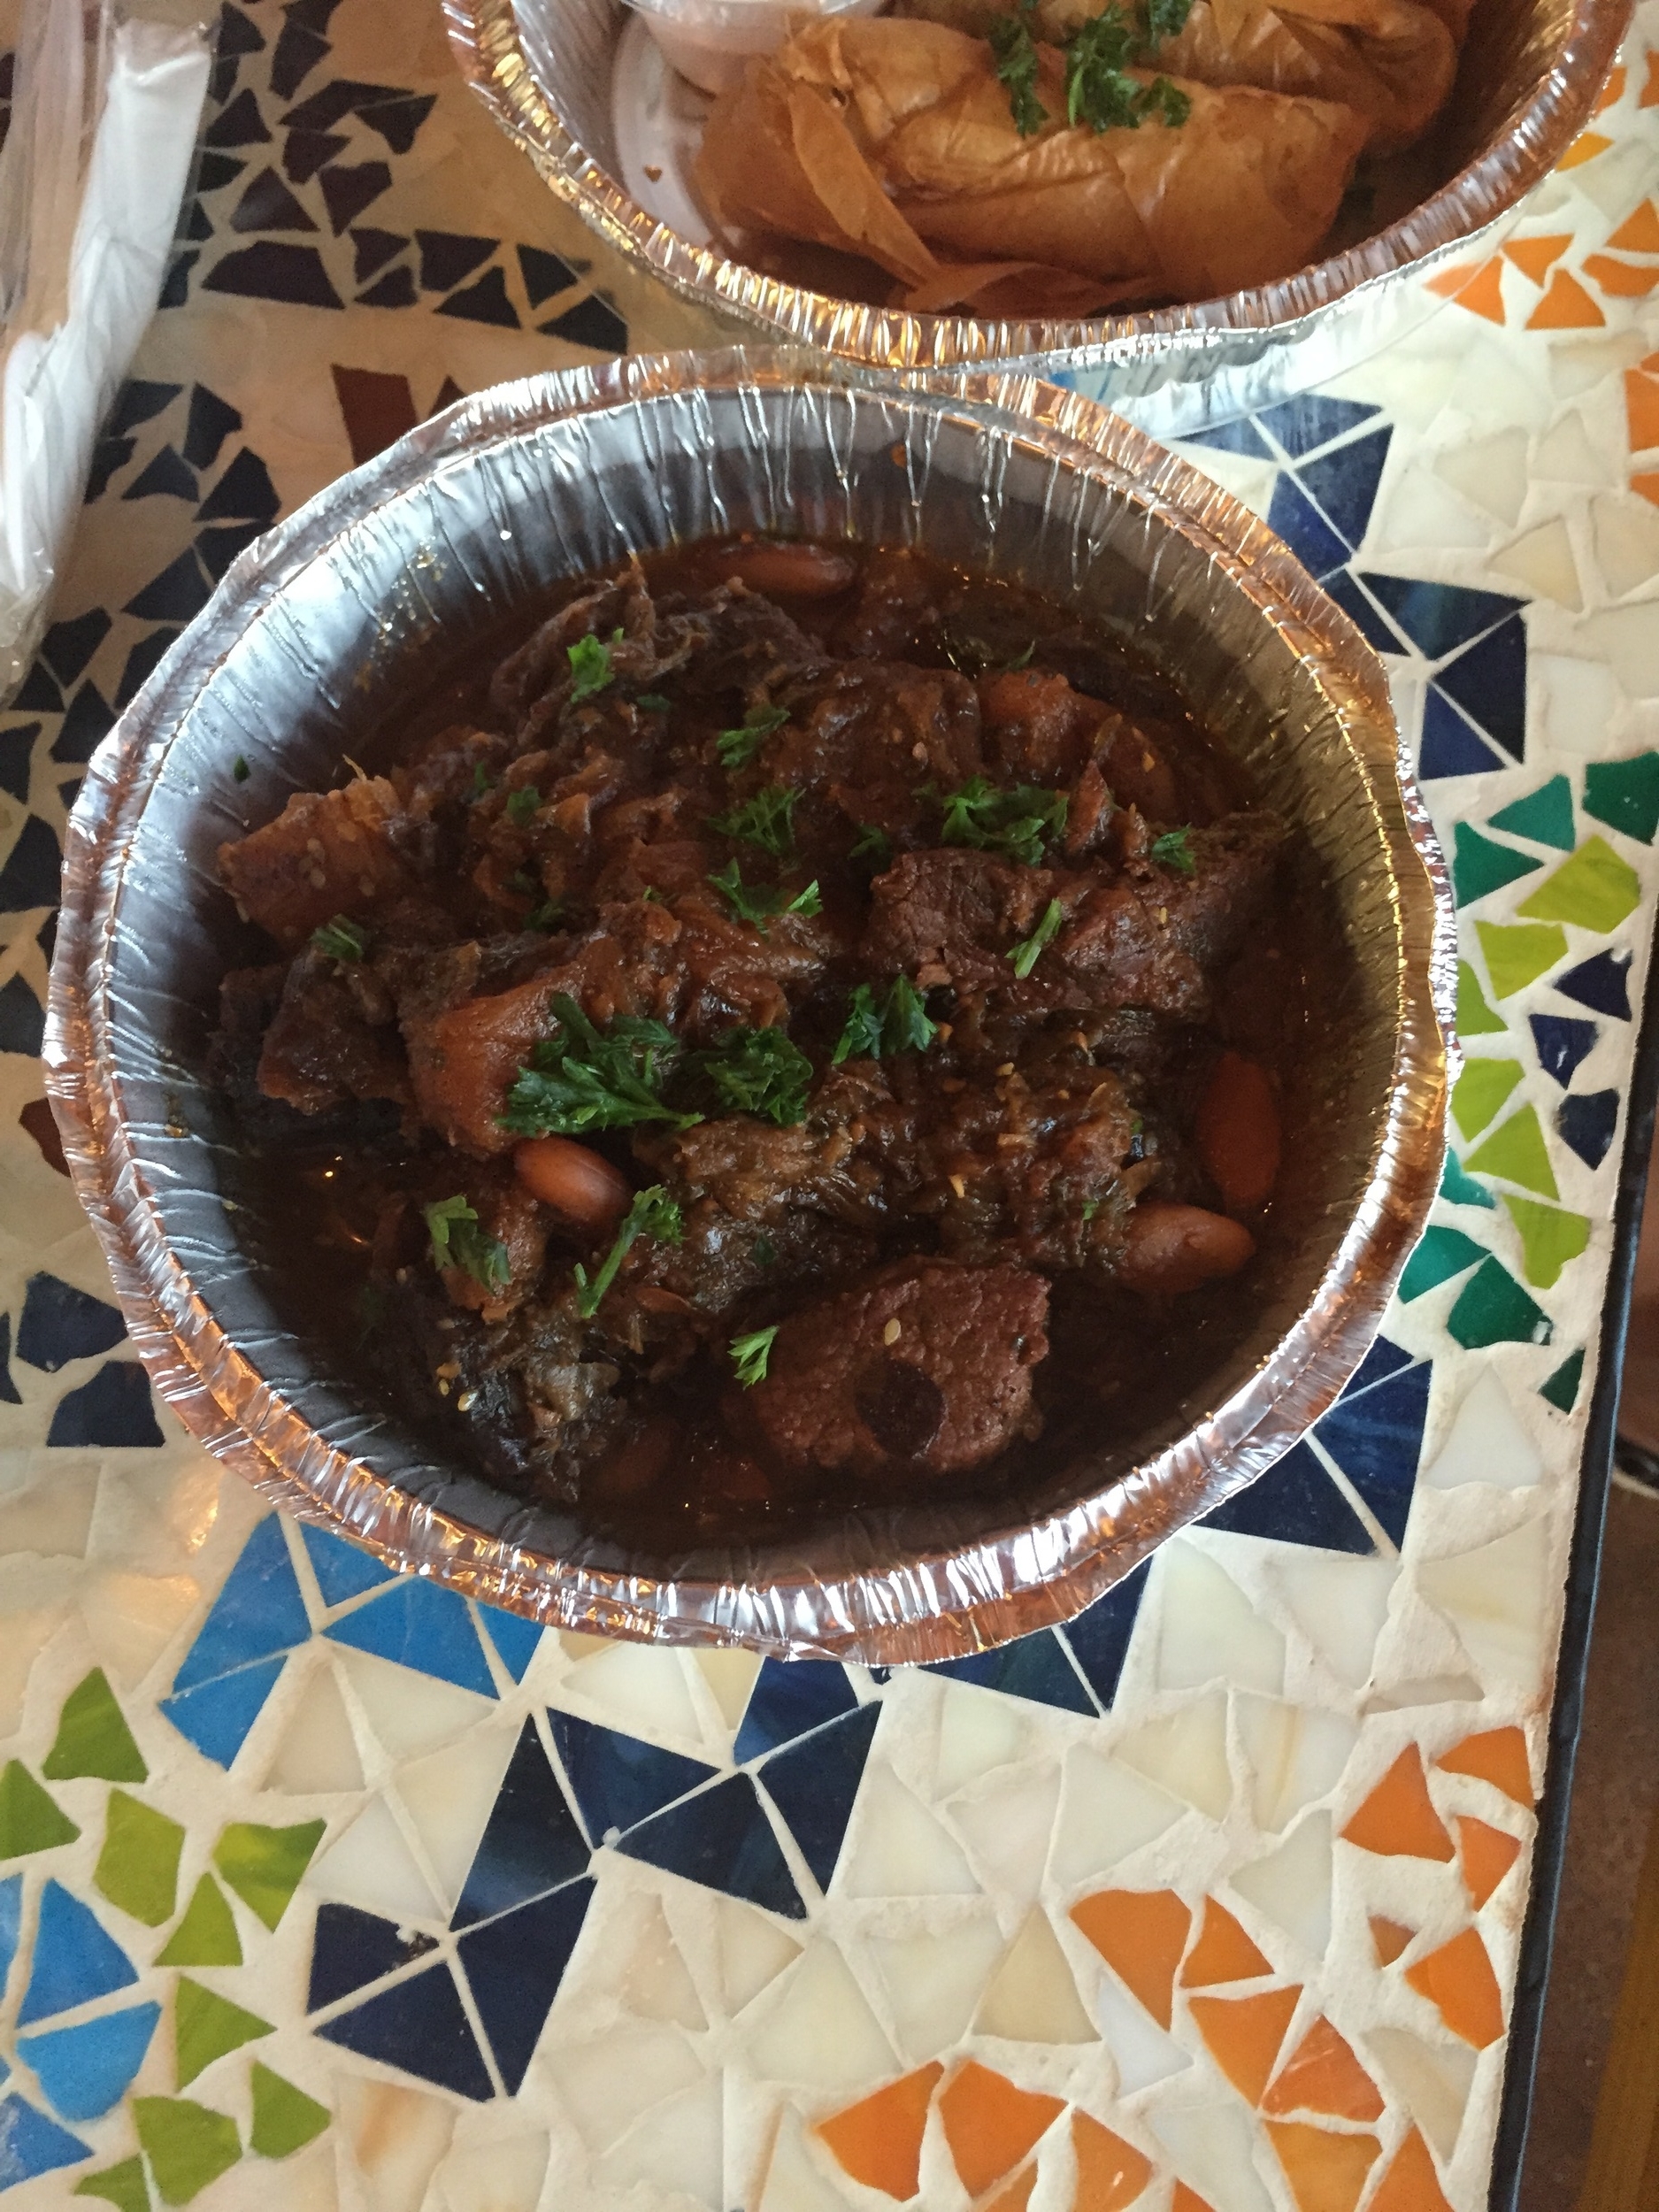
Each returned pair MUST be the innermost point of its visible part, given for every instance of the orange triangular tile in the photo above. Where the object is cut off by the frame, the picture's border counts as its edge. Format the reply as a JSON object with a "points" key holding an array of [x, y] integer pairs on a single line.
{"points": [[1566, 305], [1497, 1756], [878, 2139], [1140, 1934], [1646, 487], [1410, 2184], [1324, 2075], [1483, 294], [1326, 2172], [1449, 282], [1185, 2199], [1458, 1979], [1613, 89], [1532, 256], [1244, 2034], [1488, 1854], [1650, 90], [1638, 233], [1585, 147], [1110, 2173], [990, 2125], [1649, 361], [1398, 1820], [1223, 1952], [1016, 2196], [1388, 1939], [1619, 279], [1641, 405]]}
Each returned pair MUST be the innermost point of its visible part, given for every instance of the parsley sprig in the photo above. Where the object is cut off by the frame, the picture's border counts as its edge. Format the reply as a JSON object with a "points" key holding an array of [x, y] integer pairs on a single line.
{"points": [[1013, 823], [654, 1214], [767, 820], [737, 748], [459, 1240], [590, 667], [897, 1023], [341, 939], [873, 844], [750, 1356], [1100, 90], [583, 1079], [1025, 953], [521, 804], [757, 903], [1174, 849], [1018, 65], [759, 1071]]}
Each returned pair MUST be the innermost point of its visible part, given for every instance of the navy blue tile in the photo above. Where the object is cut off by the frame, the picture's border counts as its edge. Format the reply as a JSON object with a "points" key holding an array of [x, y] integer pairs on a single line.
{"points": [[137, 401], [236, 33], [813, 1785], [212, 421], [1036, 1667], [112, 1411], [178, 594], [593, 323], [17, 760], [39, 694], [109, 456], [1449, 745], [244, 493], [1099, 1637], [1344, 483], [272, 269], [259, 1611], [1304, 529], [1588, 1125], [298, 52], [1602, 984], [617, 1779], [1562, 1044], [397, 121], [164, 476], [416, 1623], [60, 1324], [350, 1949], [267, 205], [1299, 425], [789, 1697], [1363, 612], [447, 255], [30, 877], [1438, 617], [142, 663], [22, 1019], [515, 1639], [349, 190], [74, 1960], [1295, 1503], [1383, 1359], [532, 1843], [373, 249], [30, 2143], [343, 1569], [1241, 436], [87, 723], [1377, 1441], [723, 1840], [10, 1393], [485, 302], [515, 1965], [419, 2027], [544, 274], [1489, 682], [396, 289], [214, 171], [218, 1716]]}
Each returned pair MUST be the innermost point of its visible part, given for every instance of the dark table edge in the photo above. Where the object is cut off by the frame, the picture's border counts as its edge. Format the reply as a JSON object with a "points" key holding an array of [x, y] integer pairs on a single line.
{"points": [[1583, 1576]]}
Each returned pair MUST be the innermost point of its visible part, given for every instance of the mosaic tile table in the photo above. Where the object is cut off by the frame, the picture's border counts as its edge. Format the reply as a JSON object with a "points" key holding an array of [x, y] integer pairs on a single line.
{"points": [[325, 1890]]}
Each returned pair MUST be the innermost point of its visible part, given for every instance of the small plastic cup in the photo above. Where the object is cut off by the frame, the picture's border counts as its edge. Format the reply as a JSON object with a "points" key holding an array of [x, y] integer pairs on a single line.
{"points": [[709, 41]]}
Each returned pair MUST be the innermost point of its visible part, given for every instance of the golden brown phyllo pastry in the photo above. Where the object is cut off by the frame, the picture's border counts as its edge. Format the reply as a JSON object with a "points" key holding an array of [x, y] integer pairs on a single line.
{"points": [[895, 140]]}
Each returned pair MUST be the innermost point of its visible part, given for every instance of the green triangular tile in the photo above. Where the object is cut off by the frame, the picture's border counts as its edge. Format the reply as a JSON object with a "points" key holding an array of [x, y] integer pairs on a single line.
{"points": [[1480, 866], [1562, 1389], [1517, 1153], [1544, 816], [93, 1738], [1550, 1237], [1475, 1017], [1516, 954], [1625, 793], [188, 2145], [205, 2026], [1492, 1309], [138, 1867], [123, 2186], [1595, 888], [264, 1865], [1442, 1254], [1479, 1091], [1459, 1189], [207, 1934], [285, 2119], [29, 1820]]}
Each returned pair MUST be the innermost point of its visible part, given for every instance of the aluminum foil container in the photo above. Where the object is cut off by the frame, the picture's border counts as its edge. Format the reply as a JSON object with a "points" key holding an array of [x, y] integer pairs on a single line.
{"points": [[339, 613], [1529, 77]]}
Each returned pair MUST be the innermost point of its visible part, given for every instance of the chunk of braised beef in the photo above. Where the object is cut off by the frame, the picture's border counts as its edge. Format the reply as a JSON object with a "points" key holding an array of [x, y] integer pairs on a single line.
{"points": [[328, 853], [880, 740], [332, 1037], [894, 610]]}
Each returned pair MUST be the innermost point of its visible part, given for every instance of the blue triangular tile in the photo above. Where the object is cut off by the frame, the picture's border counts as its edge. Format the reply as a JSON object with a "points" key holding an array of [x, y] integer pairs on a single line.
{"points": [[113, 1411], [74, 1960], [1241, 436], [617, 1779], [259, 1611], [352, 1948], [1300, 424], [418, 1625], [1363, 612], [515, 1639], [1588, 1123], [30, 2143], [1099, 1636], [419, 2027], [86, 2069], [514, 1966], [721, 1838], [1438, 617], [790, 1697], [1449, 745], [342, 1570], [813, 1785], [1036, 1667], [1295, 1503], [1344, 483], [218, 1716], [1377, 1441], [1601, 983], [1383, 1359], [1563, 1044], [1304, 529], [11, 1924], [60, 1324], [1488, 682], [532, 1843]]}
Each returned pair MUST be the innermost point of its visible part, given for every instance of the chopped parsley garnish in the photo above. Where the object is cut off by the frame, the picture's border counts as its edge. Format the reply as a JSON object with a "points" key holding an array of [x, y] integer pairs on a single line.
{"points": [[653, 701], [521, 804], [874, 844], [1098, 90], [874, 1030], [750, 1354], [1167, 19], [590, 667], [738, 746], [652, 1214], [1174, 849], [756, 905], [759, 1071], [1013, 823], [1017, 66], [972, 656], [767, 820], [1024, 955], [584, 1079], [482, 781], [240, 769], [765, 1252], [1165, 99], [340, 940], [545, 917], [457, 1240]]}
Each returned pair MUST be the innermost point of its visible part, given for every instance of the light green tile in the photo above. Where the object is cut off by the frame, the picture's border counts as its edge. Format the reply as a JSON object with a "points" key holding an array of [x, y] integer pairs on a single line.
{"points": [[1595, 888], [93, 1736], [29, 1820], [205, 2026], [188, 2145], [1625, 793], [285, 2119], [1492, 1309], [1544, 814], [264, 1865], [123, 2186], [1550, 1237], [207, 1934], [1483, 1087], [1516, 953], [1517, 1152], [138, 1867], [1475, 1017]]}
